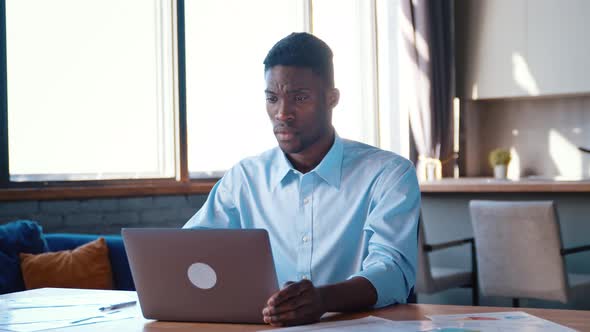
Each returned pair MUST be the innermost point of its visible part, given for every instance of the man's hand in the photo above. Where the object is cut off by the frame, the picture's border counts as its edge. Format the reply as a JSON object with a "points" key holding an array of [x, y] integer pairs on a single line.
{"points": [[303, 303], [297, 303]]}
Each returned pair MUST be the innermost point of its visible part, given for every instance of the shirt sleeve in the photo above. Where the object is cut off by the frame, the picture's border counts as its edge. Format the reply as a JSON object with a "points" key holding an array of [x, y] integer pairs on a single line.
{"points": [[219, 211], [392, 226]]}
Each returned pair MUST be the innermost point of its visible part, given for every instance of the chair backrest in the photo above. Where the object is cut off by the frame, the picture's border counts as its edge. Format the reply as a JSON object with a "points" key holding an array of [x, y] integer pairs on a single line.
{"points": [[424, 281], [518, 247]]}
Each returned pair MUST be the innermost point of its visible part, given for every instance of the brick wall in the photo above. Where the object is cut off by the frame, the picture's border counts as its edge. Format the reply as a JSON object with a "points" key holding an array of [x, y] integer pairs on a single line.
{"points": [[104, 215]]}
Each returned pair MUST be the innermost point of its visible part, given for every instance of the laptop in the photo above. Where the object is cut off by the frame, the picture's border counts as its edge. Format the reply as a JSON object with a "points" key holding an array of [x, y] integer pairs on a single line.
{"points": [[201, 275]]}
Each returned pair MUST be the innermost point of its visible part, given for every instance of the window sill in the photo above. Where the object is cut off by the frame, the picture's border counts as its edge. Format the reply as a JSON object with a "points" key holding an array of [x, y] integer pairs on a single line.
{"points": [[98, 190]]}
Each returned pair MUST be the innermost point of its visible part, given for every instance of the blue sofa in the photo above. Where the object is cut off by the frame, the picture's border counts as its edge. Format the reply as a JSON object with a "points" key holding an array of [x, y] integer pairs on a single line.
{"points": [[120, 265], [26, 236]]}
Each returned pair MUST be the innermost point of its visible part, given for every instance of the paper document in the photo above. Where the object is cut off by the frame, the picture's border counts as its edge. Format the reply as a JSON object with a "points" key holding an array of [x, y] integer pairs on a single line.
{"points": [[370, 323], [487, 322], [66, 300], [39, 326], [501, 321], [475, 326], [510, 316], [51, 312], [47, 314]]}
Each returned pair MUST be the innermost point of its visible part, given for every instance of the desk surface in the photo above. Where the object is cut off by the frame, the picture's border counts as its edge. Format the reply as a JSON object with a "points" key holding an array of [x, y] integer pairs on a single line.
{"points": [[491, 185], [576, 319]]}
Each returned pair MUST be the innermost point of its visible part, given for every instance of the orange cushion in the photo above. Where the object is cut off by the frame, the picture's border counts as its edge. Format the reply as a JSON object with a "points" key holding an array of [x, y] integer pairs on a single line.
{"points": [[87, 266]]}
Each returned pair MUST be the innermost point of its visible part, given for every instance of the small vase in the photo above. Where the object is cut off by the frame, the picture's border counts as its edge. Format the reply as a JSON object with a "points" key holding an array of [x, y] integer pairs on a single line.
{"points": [[500, 171]]}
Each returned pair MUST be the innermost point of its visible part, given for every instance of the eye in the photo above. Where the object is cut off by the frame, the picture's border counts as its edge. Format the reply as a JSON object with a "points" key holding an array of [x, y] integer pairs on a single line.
{"points": [[271, 99], [301, 98]]}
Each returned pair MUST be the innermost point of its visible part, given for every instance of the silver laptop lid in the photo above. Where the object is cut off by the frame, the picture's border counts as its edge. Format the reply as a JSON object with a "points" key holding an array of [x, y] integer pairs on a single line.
{"points": [[206, 275]]}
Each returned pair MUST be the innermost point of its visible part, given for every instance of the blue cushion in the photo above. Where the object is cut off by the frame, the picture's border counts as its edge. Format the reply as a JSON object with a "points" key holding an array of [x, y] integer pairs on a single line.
{"points": [[11, 279], [22, 236], [16, 237]]}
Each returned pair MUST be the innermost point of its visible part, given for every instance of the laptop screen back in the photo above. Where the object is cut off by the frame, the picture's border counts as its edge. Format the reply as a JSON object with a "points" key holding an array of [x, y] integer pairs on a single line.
{"points": [[210, 275]]}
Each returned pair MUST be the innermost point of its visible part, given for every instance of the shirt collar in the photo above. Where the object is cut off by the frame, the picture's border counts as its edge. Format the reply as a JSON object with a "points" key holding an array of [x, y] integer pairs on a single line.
{"points": [[280, 166], [329, 169]]}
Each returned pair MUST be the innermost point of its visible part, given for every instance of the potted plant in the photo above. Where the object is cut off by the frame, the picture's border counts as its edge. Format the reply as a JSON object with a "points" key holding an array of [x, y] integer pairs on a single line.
{"points": [[499, 159]]}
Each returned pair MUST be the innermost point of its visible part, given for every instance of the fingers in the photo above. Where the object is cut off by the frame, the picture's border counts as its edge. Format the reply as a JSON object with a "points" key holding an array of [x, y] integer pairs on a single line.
{"points": [[297, 303], [292, 304], [291, 290], [294, 317]]}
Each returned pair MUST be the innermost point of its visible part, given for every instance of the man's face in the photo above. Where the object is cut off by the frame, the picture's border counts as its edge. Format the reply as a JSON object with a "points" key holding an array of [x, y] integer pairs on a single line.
{"points": [[299, 107]]}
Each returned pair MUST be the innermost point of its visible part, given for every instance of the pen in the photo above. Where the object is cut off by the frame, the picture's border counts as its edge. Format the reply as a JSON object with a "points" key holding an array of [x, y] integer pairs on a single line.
{"points": [[117, 306]]}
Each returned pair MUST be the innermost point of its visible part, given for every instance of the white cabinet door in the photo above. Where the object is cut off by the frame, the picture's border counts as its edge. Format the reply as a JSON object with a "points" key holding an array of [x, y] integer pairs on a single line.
{"points": [[522, 48], [558, 45], [491, 34]]}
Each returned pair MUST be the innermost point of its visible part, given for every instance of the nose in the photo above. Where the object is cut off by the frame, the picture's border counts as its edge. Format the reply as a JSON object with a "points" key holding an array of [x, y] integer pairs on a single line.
{"points": [[284, 112]]}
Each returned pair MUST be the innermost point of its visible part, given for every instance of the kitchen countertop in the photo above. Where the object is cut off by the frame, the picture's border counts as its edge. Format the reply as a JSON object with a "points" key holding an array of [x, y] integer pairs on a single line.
{"points": [[481, 184]]}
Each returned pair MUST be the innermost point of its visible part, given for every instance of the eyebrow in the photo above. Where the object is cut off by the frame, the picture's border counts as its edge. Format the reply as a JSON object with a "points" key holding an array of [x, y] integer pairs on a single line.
{"points": [[291, 91]]}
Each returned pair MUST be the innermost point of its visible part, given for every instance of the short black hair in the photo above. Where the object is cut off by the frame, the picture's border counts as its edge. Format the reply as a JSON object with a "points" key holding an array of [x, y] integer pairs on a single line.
{"points": [[301, 49]]}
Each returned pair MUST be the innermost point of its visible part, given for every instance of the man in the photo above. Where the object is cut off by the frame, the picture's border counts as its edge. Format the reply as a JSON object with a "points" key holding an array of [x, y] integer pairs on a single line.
{"points": [[341, 215]]}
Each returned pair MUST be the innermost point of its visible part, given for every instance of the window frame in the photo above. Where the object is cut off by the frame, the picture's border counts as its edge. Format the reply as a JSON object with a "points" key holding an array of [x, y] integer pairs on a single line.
{"points": [[181, 183], [4, 173]]}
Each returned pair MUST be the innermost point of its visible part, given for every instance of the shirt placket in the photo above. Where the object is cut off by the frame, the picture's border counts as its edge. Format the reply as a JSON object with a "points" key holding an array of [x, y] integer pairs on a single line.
{"points": [[305, 229]]}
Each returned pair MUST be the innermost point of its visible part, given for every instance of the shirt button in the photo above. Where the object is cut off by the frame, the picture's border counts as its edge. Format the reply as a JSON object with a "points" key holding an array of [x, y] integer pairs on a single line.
{"points": [[305, 239], [305, 201]]}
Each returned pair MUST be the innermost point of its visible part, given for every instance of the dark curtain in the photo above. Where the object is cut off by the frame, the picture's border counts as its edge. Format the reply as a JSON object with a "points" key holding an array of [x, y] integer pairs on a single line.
{"points": [[428, 30]]}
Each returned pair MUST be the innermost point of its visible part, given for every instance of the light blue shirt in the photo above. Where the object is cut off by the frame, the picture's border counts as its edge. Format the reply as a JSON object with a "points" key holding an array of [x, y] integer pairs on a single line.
{"points": [[355, 214]]}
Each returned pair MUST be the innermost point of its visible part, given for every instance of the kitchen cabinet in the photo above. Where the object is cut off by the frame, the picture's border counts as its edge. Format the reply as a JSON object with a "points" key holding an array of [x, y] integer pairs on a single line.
{"points": [[522, 48], [557, 45]]}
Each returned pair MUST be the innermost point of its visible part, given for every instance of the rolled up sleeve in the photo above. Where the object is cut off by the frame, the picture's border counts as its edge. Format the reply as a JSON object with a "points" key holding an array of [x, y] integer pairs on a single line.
{"points": [[392, 226]]}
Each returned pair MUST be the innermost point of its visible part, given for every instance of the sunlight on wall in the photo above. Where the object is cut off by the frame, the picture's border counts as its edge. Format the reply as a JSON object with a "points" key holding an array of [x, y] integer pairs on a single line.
{"points": [[514, 165], [456, 123], [456, 129], [565, 155], [474, 92], [522, 75]]}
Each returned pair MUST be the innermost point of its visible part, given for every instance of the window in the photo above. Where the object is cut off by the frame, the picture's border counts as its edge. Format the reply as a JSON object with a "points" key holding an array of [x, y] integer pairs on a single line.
{"points": [[224, 73], [89, 89], [226, 116], [96, 88], [348, 27]]}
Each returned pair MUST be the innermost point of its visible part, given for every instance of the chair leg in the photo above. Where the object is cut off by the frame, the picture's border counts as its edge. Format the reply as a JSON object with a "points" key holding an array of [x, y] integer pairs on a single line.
{"points": [[474, 277], [413, 297], [475, 294], [516, 303]]}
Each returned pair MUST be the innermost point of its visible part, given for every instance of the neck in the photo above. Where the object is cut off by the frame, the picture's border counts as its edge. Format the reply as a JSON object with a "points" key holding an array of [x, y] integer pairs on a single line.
{"points": [[308, 159]]}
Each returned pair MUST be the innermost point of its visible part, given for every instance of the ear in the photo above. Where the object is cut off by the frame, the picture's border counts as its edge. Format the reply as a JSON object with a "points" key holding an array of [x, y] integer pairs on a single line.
{"points": [[332, 98]]}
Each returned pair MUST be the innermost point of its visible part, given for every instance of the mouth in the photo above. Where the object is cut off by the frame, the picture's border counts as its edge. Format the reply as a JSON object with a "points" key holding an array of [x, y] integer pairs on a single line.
{"points": [[285, 134]]}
